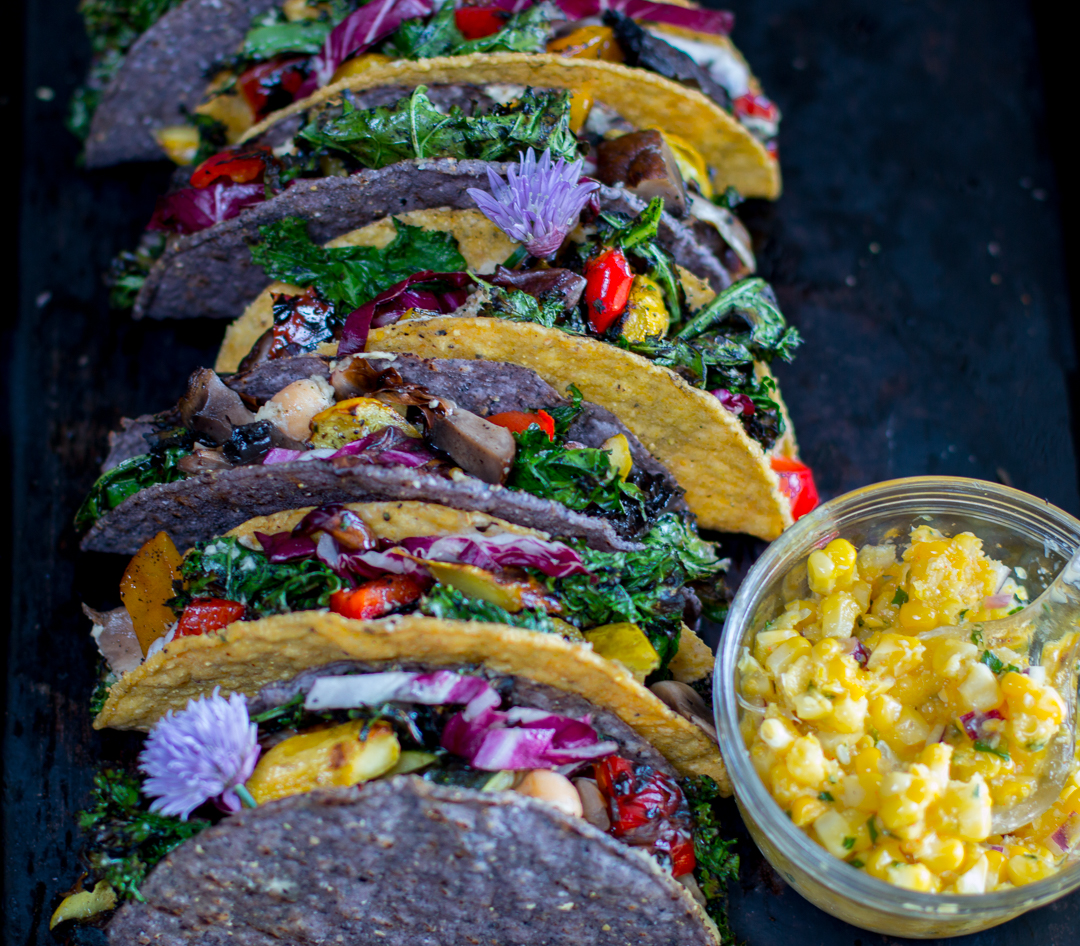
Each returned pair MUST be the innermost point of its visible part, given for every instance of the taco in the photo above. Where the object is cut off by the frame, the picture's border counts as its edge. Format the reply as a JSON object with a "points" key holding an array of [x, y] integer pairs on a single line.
{"points": [[392, 151], [294, 430], [264, 55], [383, 764], [596, 303]]}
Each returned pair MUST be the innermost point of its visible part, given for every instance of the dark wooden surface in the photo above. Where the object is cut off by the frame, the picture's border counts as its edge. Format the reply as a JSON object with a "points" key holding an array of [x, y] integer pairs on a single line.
{"points": [[917, 246]]}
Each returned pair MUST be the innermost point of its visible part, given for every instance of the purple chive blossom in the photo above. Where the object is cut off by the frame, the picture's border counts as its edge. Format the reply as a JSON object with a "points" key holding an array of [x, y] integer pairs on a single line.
{"points": [[539, 203], [206, 751]]}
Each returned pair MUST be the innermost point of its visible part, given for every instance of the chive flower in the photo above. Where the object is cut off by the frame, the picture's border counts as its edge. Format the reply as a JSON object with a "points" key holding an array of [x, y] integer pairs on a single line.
{"points": [[206, 751], [538, 203]]}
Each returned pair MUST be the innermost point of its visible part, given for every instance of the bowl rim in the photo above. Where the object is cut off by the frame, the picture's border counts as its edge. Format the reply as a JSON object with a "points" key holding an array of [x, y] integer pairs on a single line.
{"points": [[797, 541]]}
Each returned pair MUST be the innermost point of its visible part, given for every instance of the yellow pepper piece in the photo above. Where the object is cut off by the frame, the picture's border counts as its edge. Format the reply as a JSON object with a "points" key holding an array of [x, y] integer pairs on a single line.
{"points": [[359, 65], [300, 10], [84, 904], [147, 584], [626, 643], [476, 582], [179, 142], [618, 448], [691, 163], [233, 111], [588, 42], [337, 756], [353, 419], [646, 315], [581, 102]]}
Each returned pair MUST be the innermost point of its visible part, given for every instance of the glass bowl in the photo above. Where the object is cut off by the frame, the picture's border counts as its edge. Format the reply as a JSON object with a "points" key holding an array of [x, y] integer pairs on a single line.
{"points": [[1016, 529]]}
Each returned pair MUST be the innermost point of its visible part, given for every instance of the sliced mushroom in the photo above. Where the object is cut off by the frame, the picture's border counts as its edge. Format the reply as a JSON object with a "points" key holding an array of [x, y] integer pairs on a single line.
{"points": [[204, 459], [594, 805], [211, 408], [543, 283], [683, 699], [478, 446], [643, 162]]}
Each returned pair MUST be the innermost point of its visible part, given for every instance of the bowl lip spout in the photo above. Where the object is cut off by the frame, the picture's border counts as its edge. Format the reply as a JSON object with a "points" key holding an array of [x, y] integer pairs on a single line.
{"points": [[1035, 523]]}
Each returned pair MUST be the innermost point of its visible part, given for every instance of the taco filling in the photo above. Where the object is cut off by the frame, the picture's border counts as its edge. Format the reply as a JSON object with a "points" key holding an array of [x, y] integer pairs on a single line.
{"points": [[350, 725]]}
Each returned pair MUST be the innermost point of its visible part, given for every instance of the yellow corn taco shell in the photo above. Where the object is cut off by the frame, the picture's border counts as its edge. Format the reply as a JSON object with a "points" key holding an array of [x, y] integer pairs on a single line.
{"points": [[246, 656], [643, 98], [728, 481]]}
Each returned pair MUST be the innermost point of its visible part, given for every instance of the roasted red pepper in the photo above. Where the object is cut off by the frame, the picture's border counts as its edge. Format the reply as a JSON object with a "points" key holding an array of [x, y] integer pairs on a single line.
{"points": [[756, 106], [240, 167], [377, 597], [300, 324], [648, 809], [607, 288], [208, 614], [520, 421], [797, 483], [271, 85], [478, 22]]}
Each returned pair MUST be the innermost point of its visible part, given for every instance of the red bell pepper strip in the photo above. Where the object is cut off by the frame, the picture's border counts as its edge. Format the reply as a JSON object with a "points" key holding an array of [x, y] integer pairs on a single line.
{"points": [[607, 288], [797, 484], [277, 80], [377, 597], [478, 22], [208, 614], [240, 167], [648, 809], [755, 106], [520, 421]]}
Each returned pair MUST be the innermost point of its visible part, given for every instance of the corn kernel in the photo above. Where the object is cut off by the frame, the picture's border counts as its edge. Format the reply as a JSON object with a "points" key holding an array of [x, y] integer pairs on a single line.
{"points": [[765, 642], [912, 877], [806, 809], [951, 657], [832, 567], [872, 560], [777, 734], [806, 761], [785, 654], [979, 690], [895, 655], [838, 613], [835, 833], [916, 616], [1028, 868]]}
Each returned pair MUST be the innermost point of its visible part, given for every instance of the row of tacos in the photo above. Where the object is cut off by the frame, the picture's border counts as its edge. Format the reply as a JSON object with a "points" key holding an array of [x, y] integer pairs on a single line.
{"points": [[412, 619]]}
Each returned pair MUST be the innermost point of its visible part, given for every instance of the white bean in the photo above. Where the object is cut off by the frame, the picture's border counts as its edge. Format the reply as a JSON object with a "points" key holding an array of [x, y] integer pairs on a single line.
{"points": [[553, 788], [593, 803], [292, 408]]}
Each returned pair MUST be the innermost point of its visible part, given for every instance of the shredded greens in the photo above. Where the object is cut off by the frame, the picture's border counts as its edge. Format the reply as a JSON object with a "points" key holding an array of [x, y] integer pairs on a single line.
{"points": [[717, 863], [128, 478], [352, 275], [414, 128], [125, 839], [224, 568], [453, 605], [524, 32]]}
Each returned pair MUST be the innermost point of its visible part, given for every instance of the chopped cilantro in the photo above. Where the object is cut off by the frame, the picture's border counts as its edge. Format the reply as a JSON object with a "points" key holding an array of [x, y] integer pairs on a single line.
{"points": [[825, 796], [981, 746], [871, 826], [994, 663], [977, 635], [963, 614], [1017, 609], [849, 843], [855, 862], [900, 598]]}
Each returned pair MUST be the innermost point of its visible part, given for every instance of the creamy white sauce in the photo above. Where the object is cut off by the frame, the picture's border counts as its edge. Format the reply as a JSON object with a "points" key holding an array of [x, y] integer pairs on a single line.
{"points": [[723, 65]]}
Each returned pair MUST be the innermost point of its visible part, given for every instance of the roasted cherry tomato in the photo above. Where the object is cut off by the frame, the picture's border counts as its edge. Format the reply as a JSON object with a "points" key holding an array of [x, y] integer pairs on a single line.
{"points": [[208, 614], [300, 324], [756, 106], [797, 483], [649, 810], [240, 167], [271, 85], [478, 22], [608, 279], [520, 421], [377, 597]]}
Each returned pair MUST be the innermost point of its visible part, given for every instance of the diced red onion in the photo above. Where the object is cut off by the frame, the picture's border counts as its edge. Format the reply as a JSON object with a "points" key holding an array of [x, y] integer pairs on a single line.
{"points": [[1002, 600], [1062, 840], [286, 547], [974, 723], [857, 649], [716, 22], [501, 551], [735, 403], [196, 208]]}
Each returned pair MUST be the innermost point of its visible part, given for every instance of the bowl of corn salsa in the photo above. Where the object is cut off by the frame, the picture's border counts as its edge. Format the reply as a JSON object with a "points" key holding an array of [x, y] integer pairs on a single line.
{"points": [[865, 744]]}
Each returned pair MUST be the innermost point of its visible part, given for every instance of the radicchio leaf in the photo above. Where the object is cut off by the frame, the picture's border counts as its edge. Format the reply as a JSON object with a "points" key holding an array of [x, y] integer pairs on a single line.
{"points": [[716, 22], [388, 306], [501, 551], [373, 689], [196, 208]]}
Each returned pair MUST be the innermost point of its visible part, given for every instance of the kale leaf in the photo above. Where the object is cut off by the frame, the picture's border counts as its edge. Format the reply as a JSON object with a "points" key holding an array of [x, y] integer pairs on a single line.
{"points": [[517, 306], [222, 567], [126, 479], [265, 42], [129, 269], [453, 605], [414, 128], [125, 839], [717, 863], [116, 24], [352, 275], [582, 479], [523, 32]]}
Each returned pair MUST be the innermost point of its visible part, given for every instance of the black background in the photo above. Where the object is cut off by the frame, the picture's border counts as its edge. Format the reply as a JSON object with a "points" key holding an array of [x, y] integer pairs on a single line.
{"points": [[919, 246]]}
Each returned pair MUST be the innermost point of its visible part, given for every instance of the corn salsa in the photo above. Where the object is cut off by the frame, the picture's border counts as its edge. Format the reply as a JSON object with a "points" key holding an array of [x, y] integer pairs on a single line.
{"points": [[889, 745]]}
